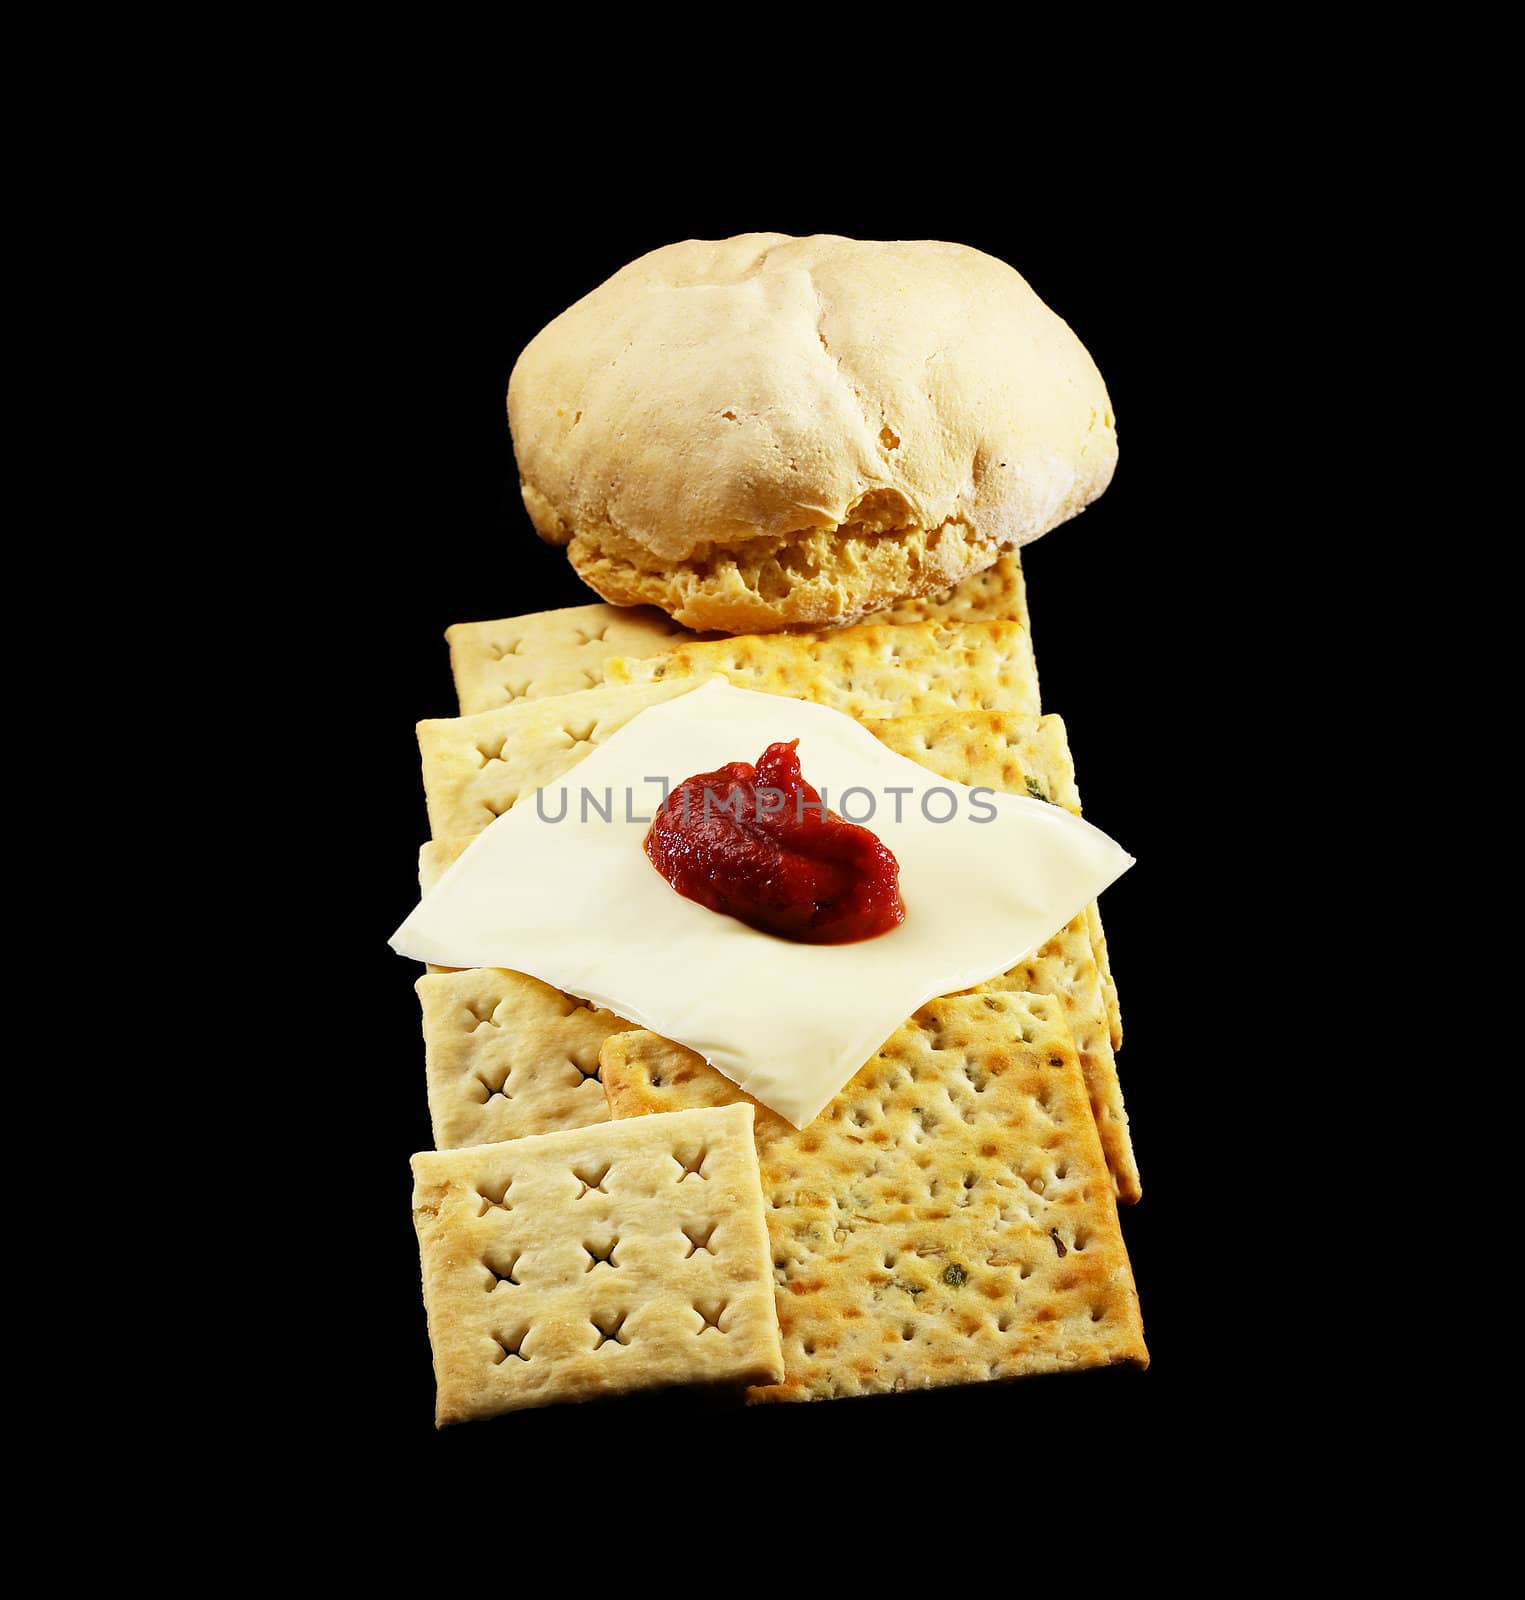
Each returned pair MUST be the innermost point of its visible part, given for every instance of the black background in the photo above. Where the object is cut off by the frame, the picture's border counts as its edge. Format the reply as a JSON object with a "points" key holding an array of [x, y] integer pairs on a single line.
{"points": [[1136, 633]]}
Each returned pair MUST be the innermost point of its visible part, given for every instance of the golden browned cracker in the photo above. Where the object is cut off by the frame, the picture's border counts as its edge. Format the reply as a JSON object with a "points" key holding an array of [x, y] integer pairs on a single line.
{"points": [[874, 670], [947, 1219], [1104, 968], [1065, 968], [1030, 755], [511, 659], [998, 594], [1009, 751]]}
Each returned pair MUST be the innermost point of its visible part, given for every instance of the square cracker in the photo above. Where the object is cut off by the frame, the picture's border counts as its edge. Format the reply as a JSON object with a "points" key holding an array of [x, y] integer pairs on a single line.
{"points": [[476, 767], [595, 1261], [550, 652], [1019, 754], [1065, 967], [947, 1219], [506, 1055], [1108, 982], [1031, 755], [511, 659], [998, 594], [873, 670], [434, 855]]}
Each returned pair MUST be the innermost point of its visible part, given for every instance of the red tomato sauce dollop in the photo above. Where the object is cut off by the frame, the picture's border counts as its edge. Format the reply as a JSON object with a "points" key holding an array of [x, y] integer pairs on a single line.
{"points": [[757, 844]]}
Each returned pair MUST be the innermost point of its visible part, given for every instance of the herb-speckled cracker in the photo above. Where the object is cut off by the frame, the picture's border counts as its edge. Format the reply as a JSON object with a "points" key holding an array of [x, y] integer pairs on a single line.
{"points": [[1009, 751], [874, 670], [550, 652], [1028, 755], [947, 1219], [595, 1261], [1065, 968], [506, 1055], [1022, 755]]}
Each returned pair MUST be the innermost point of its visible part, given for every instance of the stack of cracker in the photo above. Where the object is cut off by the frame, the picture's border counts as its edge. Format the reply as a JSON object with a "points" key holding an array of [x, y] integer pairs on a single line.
{"points": [[950, 1217]]}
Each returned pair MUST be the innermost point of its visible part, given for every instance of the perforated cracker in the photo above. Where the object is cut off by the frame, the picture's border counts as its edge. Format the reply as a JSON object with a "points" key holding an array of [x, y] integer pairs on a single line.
{"points": [[506, 1055], [550, 652], [947, 1219], [1018, 755], [1065, 968], [434, 856], [998, 594], [1104, 967], [1030, 755], [596, 1261], [1004, 750], [875, 670], [476, 767], [510, 659]]}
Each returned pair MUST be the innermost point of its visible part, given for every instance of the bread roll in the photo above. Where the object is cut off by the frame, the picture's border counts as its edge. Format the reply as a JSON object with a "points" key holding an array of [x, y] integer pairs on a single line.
{"points": [[766, 432]]}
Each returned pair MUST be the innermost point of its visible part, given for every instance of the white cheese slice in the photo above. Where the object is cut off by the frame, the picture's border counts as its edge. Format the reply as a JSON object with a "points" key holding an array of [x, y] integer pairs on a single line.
{"points": [[577, 903]]}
